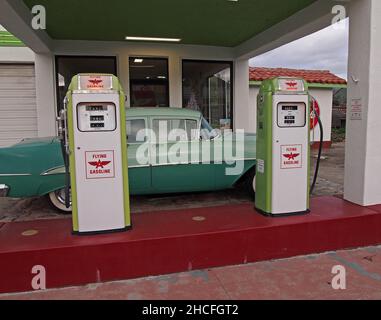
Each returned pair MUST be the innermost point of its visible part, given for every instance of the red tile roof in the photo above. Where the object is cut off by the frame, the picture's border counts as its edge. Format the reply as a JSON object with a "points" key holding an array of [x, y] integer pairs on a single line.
{"points": [[311, 76]]}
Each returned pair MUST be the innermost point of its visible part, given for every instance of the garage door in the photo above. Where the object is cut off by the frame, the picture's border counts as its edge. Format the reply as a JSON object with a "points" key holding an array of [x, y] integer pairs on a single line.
{"points": [[18, 112]]}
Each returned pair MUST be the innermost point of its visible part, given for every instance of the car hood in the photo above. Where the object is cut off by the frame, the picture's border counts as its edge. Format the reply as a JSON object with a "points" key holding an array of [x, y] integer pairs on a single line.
{"points": [[34, 142], [31, 156]]}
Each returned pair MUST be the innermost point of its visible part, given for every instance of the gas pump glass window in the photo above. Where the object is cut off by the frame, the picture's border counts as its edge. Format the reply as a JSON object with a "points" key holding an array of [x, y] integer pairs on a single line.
{"points": [[291, 115], [97, 117]]}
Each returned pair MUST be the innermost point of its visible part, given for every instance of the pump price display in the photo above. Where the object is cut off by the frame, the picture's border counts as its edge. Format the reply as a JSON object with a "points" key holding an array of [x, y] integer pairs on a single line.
{"points": [[291, 115], [99, 164], [96, 117]]}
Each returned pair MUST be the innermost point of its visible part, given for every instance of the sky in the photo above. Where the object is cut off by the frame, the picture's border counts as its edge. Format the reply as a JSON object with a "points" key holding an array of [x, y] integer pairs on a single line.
{"points": [[326, 49]]}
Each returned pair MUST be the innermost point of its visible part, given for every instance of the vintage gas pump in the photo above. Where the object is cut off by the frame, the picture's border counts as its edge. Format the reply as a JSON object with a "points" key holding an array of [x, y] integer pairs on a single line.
{"points": [[283, 150], [93, 133]]}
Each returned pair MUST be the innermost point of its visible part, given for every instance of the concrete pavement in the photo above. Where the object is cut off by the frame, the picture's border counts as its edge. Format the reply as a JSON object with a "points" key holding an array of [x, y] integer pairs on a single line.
{"points": [[330, 182]]}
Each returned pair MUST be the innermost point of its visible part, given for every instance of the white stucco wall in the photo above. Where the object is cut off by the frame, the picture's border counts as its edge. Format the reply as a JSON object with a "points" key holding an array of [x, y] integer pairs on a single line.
{"points": [[324, 98], [363, 143], [124, 50], [242, 112], [253, 93], [16, 55]]}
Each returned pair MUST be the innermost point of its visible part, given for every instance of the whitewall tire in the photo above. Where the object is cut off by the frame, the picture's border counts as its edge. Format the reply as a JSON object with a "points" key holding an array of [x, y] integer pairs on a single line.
{"points": [[57, 199]]}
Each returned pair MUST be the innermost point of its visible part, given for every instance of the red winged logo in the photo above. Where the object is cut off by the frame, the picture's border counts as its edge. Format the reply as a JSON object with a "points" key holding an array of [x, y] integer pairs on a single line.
{"points": [[291, 156], [95, 81], [292, 84], [99, 164]]}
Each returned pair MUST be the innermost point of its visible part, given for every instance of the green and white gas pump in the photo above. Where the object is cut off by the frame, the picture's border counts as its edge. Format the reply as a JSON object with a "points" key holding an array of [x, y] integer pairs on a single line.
{"points": [[283, 147], [92, 128]]}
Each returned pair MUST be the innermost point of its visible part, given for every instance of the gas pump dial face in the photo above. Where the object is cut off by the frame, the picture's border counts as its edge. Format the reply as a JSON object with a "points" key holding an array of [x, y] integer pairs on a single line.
{"points": [[291, 115], [98, 117]]}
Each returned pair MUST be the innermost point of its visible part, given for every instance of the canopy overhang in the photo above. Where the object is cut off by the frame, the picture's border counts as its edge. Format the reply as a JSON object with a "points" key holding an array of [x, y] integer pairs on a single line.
{"points": [[244, 26]]}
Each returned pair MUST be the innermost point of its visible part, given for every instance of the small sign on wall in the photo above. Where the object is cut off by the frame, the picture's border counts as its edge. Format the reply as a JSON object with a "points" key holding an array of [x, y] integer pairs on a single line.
{"points": [[356, 109]]}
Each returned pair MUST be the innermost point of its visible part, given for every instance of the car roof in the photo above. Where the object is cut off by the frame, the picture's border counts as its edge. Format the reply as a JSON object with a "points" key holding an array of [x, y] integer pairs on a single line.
{"points": [[161, 111]]}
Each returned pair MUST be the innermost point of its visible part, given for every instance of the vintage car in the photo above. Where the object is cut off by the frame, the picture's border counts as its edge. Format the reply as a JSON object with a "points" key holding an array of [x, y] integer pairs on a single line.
{"points": [[35, 167]]}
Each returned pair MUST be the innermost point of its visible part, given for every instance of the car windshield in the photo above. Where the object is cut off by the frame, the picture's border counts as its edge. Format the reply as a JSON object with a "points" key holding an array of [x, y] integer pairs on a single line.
{"points": [[207, 132]]}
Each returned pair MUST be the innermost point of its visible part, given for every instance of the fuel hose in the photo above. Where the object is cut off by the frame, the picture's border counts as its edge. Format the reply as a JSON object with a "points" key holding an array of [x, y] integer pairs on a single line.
{"points": [[319, 154]]}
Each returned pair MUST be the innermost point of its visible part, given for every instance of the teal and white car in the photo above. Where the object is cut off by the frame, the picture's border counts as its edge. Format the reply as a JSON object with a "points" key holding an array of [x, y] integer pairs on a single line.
{"points": [[157, 163]]}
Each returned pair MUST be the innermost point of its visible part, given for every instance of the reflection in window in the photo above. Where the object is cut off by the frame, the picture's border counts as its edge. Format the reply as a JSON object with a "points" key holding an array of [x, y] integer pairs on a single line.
{"points": [[173, 130], [69, 66], [148, 82], [207, 88], [207, 132], [192, 130]]}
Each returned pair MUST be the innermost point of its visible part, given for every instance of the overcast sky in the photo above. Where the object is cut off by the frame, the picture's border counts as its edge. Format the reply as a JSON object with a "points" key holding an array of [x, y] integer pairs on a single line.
{"points": [[326, 49]]}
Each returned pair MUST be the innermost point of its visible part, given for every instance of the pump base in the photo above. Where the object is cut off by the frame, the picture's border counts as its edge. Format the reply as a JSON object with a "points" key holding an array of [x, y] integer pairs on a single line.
{"points": [[282, 215], [174, 241], [90, 233]]}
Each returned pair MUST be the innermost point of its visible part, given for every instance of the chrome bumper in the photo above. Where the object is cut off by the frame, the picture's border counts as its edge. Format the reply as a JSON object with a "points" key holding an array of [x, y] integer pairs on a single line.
{"points": [[3, 190]]}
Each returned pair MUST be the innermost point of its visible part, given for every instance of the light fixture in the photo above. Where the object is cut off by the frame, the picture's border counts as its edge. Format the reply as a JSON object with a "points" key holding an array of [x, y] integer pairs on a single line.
{"points": [[161, 77], [138, 60], [152, 39]]}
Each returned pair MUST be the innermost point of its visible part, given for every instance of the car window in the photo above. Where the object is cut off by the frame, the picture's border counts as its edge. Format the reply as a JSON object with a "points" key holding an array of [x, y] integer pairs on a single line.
{"points": [[133, 127], [173, 130], [192, 129]]}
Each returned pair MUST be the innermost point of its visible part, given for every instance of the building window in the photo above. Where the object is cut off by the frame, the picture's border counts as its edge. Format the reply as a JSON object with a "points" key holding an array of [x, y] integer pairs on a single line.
{"points": [[207, 87], [149, 85], [69, 66]]}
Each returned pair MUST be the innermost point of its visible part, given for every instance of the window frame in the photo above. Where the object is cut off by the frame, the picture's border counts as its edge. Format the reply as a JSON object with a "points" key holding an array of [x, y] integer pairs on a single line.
{"points": [[142, 81], [145, 123], [230, 62], [57, 57], [153, 118]]}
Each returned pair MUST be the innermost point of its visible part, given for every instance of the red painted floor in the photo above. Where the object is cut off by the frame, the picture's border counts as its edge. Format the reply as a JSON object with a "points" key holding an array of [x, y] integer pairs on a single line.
{"points": [[173, 241], [306, 277]]}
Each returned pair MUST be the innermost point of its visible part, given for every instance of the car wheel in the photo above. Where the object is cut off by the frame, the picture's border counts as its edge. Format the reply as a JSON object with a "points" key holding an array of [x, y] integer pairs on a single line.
{"points": [[57, 199]]}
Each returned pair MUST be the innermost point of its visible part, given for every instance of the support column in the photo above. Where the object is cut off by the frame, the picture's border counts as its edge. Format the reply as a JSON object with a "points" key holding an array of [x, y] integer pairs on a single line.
{"points": [[242, 113], [45, 94], [363, 144], [175, 81]]}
